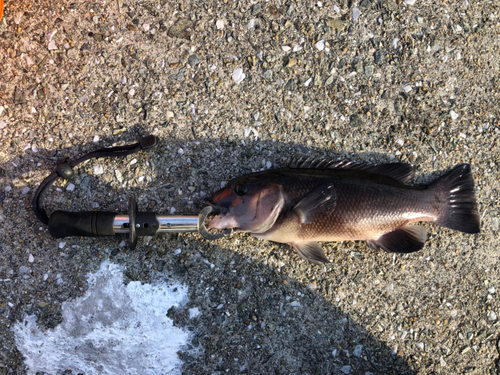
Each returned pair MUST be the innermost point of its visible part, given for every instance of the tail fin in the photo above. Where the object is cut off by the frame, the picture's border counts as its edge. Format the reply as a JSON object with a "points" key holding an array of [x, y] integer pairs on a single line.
{"points": [[455, 195]]}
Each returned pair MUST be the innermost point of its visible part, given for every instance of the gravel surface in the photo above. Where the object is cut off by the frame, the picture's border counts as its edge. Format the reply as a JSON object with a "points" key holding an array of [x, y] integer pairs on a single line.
{"points": [[231, 87]]}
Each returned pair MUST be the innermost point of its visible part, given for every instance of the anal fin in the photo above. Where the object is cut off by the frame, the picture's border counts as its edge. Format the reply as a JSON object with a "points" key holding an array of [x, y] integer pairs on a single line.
{"points": [[406, 239], [311, 251]]}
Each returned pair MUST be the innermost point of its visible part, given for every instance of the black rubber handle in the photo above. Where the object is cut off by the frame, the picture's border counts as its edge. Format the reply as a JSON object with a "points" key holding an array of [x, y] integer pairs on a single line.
{"points": [[86, 224]]}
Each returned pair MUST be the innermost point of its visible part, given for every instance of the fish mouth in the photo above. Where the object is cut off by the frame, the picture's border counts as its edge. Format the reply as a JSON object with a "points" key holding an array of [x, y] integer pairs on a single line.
{"points": [[223, 220]]}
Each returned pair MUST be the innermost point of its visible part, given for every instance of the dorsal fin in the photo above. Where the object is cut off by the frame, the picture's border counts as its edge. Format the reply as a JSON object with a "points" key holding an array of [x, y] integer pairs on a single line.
{"points": [[399, 171]]}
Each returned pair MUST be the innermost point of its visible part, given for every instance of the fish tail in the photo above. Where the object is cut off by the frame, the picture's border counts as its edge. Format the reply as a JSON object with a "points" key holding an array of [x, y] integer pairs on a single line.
{"points": [[454, 193]]}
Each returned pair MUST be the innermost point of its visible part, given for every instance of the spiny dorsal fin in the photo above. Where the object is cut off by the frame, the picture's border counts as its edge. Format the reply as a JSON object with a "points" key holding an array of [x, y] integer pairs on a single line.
{"points": [[399, 171]]}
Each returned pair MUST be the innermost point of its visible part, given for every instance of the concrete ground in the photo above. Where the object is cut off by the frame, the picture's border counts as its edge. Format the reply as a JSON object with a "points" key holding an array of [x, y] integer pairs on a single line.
{"points": [[231, 87]]}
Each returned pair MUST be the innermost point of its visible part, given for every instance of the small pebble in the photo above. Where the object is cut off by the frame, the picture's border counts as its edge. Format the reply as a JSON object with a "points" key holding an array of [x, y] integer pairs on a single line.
{"points": [[31, 258], [368, 70], [119, 176], [357, 351], [491, 290], [23, 270], [70, 187], [194, 312], [356, 13], [320, 45], [238, 76], [52, 46], [177, 251], [346, 369], [98, 169], [194, 61], [220, 25], [454, 115], [492, 315], [51, 35], [61, 245], [250, 130]]}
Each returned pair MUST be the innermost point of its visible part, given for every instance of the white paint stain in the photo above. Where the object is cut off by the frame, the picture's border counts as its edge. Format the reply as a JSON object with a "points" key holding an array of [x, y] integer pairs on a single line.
{"points": [[112, 329]]}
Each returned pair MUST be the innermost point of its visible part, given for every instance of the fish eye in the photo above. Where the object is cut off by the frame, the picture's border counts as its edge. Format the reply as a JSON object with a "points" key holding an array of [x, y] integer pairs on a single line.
{"points": [[240, 189]]}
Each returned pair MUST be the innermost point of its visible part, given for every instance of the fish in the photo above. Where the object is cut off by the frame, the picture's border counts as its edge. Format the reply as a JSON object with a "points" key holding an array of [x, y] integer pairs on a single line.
{"points": [[320, 200]]}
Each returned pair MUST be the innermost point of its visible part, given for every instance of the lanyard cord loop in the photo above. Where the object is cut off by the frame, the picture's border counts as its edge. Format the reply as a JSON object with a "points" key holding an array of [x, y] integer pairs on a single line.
{"points": [[65, 170]]}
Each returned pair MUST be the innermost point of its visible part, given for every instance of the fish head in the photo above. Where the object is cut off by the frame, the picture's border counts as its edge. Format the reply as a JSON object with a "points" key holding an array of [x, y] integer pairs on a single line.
{"points": [[247, 204]]}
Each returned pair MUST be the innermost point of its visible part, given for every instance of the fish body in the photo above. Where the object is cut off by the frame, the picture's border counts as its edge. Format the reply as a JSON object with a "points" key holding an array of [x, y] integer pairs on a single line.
{"points": [[318, 200]]}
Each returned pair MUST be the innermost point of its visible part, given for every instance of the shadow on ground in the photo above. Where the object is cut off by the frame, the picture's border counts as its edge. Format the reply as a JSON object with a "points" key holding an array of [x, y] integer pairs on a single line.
{"points": [[263, 310]]}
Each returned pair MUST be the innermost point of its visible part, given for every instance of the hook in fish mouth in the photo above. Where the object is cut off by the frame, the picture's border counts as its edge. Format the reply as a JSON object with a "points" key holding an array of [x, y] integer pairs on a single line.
{"points": [[203, 229]]}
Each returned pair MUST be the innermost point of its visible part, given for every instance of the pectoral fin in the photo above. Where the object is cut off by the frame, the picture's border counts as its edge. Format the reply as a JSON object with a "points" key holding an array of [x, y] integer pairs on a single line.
{"points": [[311, 251], [407, 239], [323, 199]]}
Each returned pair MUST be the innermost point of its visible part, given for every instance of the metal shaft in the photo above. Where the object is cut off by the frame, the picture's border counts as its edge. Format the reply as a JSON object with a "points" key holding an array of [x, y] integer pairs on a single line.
{"points": [[149, 224], [167, 223]]}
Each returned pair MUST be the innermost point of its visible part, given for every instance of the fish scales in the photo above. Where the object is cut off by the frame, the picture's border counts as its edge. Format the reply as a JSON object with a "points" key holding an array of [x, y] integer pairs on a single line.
{"points": [[363, 210]]}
